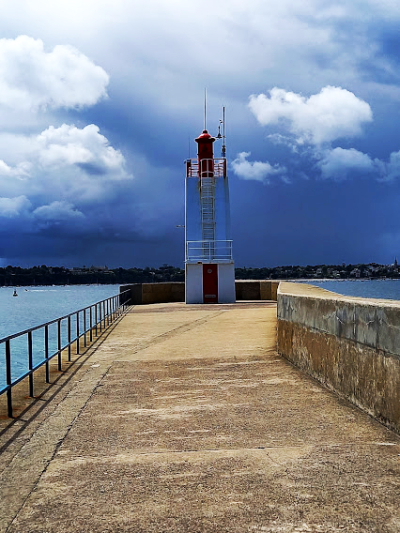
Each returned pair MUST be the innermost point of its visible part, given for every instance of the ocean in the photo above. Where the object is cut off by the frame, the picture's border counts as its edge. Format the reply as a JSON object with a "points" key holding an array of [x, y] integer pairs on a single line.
{"points": [[389, 289], [36, 305]]}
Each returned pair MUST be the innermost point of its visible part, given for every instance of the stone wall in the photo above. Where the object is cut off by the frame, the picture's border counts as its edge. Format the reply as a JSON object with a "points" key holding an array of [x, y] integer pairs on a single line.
{"points": [[256, 289], [351, 345], [149, 293]]}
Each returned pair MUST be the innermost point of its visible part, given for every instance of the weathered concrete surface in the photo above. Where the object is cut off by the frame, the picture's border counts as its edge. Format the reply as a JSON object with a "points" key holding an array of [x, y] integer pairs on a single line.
{"points": [[350, 344], [185, 419]]}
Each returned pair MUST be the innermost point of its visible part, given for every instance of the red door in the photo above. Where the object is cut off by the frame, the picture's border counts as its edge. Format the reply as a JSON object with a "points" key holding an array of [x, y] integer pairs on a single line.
{"points": [[210, 284]]}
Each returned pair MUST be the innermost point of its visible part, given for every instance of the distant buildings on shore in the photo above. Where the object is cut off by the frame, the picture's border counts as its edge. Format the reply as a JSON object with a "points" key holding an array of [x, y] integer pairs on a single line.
{"points": [[44, 275], [343, 271]]}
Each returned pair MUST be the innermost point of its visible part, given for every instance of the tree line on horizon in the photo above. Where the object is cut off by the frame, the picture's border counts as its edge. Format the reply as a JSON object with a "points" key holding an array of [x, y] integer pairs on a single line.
{"points": [[45, 275]]}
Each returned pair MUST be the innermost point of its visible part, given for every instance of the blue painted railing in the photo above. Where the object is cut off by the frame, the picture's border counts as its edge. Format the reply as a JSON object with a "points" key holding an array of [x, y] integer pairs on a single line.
{"points": [[37, 346]]}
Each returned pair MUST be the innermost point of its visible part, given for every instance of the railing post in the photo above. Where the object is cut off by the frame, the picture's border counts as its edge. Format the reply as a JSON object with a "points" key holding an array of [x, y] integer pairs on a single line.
{"points": [[9, 378], [84, 328], [91, 323], [59, 345], [30, 359], [46, 352], [78, 351], [69, 338], [112, 309]]}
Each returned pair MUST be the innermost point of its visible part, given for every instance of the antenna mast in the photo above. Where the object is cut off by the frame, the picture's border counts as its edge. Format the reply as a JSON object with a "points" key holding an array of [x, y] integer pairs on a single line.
{"points": [[223, 152], [205, 109]]}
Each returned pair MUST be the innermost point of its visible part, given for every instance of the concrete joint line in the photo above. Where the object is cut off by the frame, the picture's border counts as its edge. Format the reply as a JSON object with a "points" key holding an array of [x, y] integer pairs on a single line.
{"points": [[176, 331]]}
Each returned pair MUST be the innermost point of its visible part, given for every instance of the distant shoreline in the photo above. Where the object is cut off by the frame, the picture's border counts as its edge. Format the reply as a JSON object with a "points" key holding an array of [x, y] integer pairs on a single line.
{"points": [[11, 276], [290, 280], [307, 280]]}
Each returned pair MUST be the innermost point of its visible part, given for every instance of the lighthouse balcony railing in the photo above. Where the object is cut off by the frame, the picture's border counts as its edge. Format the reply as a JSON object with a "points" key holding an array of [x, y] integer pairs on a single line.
{"points": [[206, 168], [209, 251]]}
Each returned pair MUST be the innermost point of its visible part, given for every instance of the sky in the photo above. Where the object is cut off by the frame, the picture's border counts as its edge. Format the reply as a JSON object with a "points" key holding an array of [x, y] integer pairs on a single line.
{"points": [[101, 100]]}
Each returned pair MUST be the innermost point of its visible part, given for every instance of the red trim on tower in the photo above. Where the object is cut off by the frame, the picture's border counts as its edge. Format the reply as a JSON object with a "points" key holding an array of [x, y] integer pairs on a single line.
{"points": [[205, 146], [205, 154]]}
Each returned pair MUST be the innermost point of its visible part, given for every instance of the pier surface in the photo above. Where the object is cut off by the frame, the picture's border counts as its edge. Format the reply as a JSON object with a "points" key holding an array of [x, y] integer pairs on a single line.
{"points": [[184, 419]]}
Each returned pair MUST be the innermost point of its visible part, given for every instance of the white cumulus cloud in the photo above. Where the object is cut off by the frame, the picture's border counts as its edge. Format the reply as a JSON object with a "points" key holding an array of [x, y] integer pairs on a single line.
{"points": [[254, 170], [14, 207], [331, 114], [339, 163], [69, 145], [22, 169], [68, 163], [391, 170], [33, 78], [57, 211]]}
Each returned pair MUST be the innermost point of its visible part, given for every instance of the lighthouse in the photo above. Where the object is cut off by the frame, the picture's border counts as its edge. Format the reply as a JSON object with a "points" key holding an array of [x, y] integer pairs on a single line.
{"points": [[209, 266]]}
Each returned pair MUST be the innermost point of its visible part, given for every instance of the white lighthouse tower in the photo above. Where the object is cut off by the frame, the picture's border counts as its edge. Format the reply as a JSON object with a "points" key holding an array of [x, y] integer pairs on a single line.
{"points": [[210, 270]]}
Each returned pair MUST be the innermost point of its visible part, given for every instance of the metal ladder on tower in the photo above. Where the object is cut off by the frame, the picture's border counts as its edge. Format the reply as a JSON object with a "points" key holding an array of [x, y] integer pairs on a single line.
{"points": [[207, 197]]}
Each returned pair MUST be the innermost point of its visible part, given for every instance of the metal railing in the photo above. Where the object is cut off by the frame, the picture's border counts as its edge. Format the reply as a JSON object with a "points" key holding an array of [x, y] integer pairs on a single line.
{"points": [[209, 251], [206, 168], [41, 344]]}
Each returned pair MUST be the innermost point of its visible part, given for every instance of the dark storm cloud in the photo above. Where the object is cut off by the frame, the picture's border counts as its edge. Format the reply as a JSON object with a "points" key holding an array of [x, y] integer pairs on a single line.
{"points": [[92, 141]]}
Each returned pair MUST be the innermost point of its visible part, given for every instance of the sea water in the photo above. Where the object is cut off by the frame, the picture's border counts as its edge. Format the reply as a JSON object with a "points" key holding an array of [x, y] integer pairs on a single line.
{"points": [[388, 289], [35, 306]]}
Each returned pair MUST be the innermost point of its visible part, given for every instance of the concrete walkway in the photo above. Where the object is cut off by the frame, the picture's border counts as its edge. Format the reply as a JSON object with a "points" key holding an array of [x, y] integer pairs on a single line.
{"points": [[185, 420]]}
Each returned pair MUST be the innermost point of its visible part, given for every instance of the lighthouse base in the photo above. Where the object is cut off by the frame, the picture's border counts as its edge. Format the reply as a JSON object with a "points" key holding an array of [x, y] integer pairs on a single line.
{"points": [[210, 283]]}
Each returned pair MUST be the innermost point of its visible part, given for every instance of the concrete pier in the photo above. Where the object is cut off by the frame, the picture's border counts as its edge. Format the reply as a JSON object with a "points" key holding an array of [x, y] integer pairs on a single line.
{"points": [[185, 419]]}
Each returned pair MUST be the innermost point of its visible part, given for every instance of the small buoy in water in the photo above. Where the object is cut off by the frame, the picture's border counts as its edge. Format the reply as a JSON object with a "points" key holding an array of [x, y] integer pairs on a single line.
{"points": [[15, 292]]}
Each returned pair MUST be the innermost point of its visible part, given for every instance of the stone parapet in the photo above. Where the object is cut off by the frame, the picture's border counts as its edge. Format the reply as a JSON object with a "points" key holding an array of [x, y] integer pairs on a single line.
{"points": [[352, 345], [150, 293], [256, 289]]}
